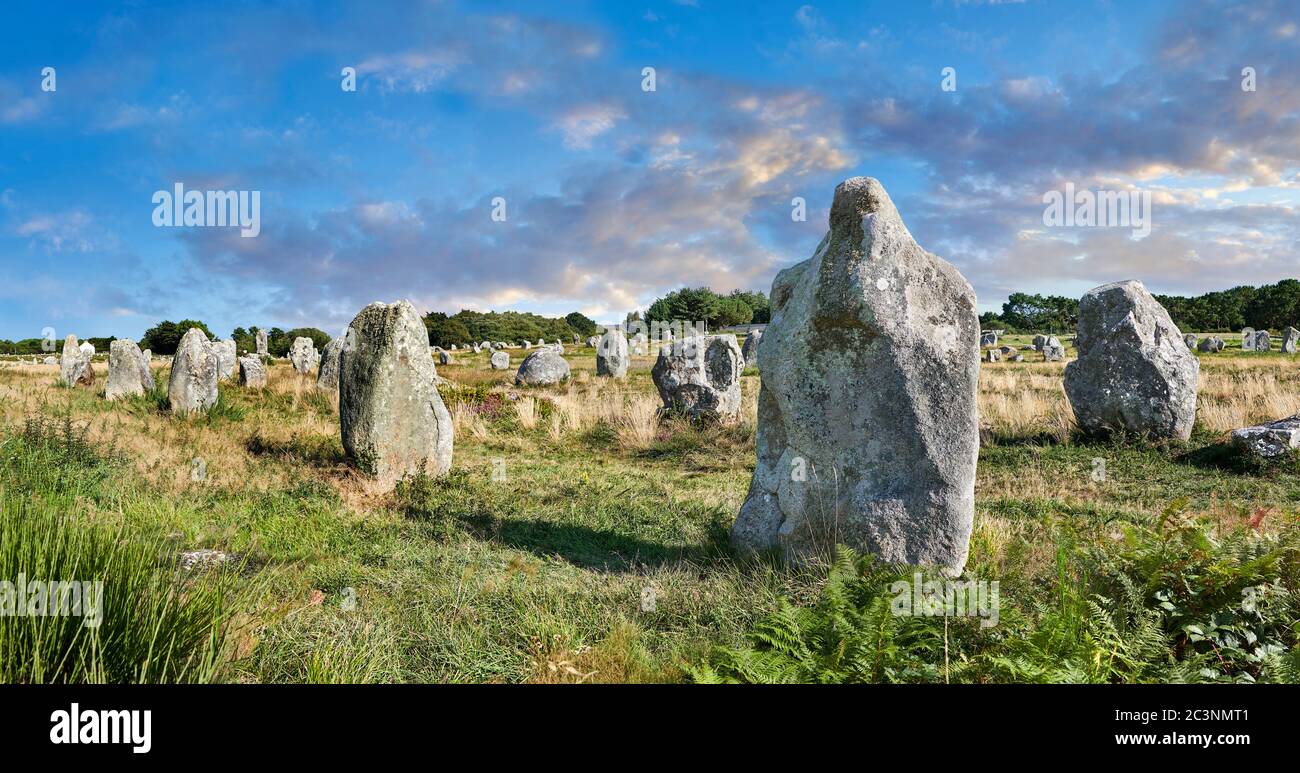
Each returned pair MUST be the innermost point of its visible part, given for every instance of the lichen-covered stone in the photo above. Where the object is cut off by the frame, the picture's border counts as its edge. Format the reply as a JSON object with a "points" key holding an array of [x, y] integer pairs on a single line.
{"points": [[700, 376], [192, 386]]}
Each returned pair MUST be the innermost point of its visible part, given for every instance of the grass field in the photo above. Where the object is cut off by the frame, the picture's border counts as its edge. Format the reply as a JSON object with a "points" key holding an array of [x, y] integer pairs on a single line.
{"points": [[579, 539]]}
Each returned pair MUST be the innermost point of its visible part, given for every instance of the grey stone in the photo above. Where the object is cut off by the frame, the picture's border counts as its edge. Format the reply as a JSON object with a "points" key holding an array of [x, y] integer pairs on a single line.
{"points": [[544, 366], [74, 367], [750, 349], [1262, 341], [51, 360], [444, 358], [261, 343], [1290, 337], [700, 376], [867, 425], [328, 378], [1190, 340], [1269, 440], [612, 357], [303, 355], [1134, 372], [193, 383], [226, 357], [988, 338], [146, 373], [1210, 344], [1248, 339], [1007, 350], [203, 559], [500, 361], [992, 355], [124, 370], [593, 342], [391, 417], [1039, 342], [87, 349], [252, 372], [1052, 350]]}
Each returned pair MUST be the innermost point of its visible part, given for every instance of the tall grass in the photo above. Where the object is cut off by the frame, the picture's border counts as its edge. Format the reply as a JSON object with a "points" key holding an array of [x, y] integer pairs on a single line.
{"points": [[138, 619]]}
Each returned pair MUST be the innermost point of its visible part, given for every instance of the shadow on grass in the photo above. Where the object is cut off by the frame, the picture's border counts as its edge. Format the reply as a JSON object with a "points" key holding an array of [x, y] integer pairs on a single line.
{"points": [[315, 450]]}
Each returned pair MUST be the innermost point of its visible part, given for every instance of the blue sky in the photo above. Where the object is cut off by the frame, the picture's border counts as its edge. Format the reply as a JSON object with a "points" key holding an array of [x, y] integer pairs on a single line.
{"points": [[615, 195]]}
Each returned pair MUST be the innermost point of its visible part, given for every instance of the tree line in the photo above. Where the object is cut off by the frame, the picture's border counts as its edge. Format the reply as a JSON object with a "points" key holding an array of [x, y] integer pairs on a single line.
{"points": [[1269, 307]]}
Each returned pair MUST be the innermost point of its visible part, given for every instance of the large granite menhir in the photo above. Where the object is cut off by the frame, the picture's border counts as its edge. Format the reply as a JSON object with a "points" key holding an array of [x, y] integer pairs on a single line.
{"points": [[867, 426], [1134, 372], [391, 417]]}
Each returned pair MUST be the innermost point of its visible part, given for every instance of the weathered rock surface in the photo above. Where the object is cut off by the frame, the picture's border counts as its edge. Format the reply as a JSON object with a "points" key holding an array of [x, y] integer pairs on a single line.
{"points": [[988, 338], [1269, 440], [993, 355], [867, 425], [1190, 340], [750, 350], [1134, 372], [304, 356], [1262, 341], [1052, 350], [74, 367], [544, 366], [261, 343], [1290, 338], [593, 342], [193, 383], [700, 376], [1039, 342], [500, 361], [612, 356], [1248, 339], [445, 358], [124, 370], [328, 378], [1210, 344], [252, 372], [226, 357], [391, 417]]}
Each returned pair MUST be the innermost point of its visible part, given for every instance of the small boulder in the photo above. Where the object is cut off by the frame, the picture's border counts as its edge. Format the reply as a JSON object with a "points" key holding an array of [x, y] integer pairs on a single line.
{"points": [[1269, 440], [252, 372], [544, 366], [500, 361], [1210, 344], [612, 356]]}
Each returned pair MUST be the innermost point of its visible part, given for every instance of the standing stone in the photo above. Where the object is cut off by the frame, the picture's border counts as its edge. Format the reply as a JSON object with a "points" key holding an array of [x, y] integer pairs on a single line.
{"points": [[193, 383], [328, 378], [988, 338], [391, 417], [444, 358], [700, 376], [993, 355], [304, 356], [75, 368], [867, 424], [252, 372], [528, 344], [500, 361], [544, 366], [1262, 341], [226, 357], [261, 344], [611, 354], [1134, 372], [1052, 350], [146, 373], [1290, 337], [750, 349], [1248, 339], [594, 341], [1210, 344], [1039, 342], [1190, 340], [124, 376]]}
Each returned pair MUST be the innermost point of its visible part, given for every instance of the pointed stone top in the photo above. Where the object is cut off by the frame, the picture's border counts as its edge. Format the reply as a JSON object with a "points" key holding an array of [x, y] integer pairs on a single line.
{"points": [[857, 197]]}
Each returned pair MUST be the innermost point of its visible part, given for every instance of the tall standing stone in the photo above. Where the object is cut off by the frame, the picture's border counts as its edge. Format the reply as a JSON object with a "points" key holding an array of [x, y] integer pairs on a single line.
{"points": [[261, 343], [1262, 341], [391, 417], [1134, 373], [328, 378], [304, 356], [124, 376], [226, 357], [1290, 337], [612, 356], [867, 424], [1248, 339], [146, 373], [193, 383], [74, 367], [750, 349], [700, 376]]}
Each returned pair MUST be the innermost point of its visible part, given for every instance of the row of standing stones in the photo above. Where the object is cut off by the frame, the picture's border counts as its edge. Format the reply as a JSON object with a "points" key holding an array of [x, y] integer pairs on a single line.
{"points": [[868, 433]]}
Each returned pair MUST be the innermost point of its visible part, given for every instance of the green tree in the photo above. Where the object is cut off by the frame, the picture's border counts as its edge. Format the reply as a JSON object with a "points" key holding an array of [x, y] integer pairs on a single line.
{"points": [[445, 331], [581, 324], [164, 337]]}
